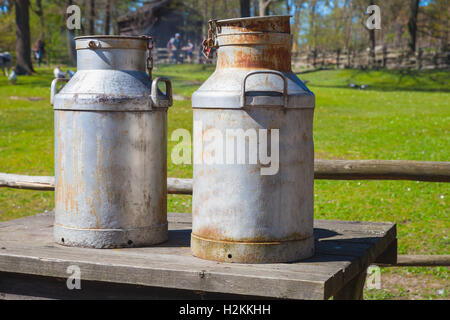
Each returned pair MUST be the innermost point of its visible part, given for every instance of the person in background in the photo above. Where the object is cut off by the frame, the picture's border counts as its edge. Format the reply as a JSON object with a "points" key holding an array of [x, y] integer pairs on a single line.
{"points": [[171, 47], [5, 62], [40, 51], [189, 51], [177, 45]]}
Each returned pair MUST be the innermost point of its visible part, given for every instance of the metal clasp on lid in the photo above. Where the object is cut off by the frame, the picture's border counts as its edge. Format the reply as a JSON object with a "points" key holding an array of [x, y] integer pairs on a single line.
{"points": [[150, 46], [210, 42]]}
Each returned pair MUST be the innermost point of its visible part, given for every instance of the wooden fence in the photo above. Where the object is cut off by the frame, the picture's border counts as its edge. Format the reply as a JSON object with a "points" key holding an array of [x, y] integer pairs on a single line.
{"points": [[390, 59], [429, 171]]}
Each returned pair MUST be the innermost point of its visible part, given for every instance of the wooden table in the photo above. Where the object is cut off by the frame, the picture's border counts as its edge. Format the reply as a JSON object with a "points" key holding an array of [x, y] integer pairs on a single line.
{"points": [[33, 266]]}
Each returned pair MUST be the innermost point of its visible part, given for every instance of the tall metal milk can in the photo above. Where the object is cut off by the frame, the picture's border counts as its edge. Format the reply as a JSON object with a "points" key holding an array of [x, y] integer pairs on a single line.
{"points": [[111, 147], [248, 208]]}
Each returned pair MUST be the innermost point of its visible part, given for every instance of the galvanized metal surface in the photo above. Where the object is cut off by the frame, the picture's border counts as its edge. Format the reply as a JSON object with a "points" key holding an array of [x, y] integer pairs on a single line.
{"points": [[111, 148], [240, 215]]}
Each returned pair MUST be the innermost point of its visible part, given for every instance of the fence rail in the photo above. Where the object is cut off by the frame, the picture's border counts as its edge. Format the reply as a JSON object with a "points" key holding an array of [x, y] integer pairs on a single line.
{"points": [[383, 58], [431, 171], [420, 261]]}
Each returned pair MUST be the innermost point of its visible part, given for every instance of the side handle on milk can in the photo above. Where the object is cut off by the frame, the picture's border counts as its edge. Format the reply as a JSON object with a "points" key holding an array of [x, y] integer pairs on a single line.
{"points": [[277, 73], [154, 91], [54, 89]]}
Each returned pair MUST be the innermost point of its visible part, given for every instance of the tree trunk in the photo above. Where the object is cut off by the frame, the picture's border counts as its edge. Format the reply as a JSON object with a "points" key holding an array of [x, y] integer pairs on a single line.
{"points": [[40, 13], [296, 26], [72, 52], [23, 47], [412, 25], [338, 57], [245, 8], [264, 7], [91, 22], [312, 31], [349, 61], [107, 16], [372, 42], [372, 47]]}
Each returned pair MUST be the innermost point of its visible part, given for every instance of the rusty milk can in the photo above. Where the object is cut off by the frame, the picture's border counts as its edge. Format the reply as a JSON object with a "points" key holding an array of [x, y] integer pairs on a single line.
{"points": [[111, 147], [248, 209]]}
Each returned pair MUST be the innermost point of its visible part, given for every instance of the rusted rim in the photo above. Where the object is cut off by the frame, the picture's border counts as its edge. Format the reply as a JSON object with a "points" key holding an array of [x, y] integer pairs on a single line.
{"points": [[253, 18], [269, 24], [143, 37]]}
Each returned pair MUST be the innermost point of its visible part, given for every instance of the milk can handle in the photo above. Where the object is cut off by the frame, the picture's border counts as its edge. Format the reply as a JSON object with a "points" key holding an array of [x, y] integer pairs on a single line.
{"points": [[154, 92], [277, 73], [54, 89]]}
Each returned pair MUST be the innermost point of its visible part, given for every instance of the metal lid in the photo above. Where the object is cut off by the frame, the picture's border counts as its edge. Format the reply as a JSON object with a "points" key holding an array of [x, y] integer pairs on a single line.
{"points": [[279, 24], [112, 42]]}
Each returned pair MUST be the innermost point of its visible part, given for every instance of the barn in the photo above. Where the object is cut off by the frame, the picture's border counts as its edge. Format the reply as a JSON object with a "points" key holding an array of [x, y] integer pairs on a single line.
{"points": [[161, 19]]}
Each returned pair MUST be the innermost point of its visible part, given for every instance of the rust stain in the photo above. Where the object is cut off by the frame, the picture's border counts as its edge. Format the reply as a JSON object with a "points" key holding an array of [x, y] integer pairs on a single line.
{"points": [[274, 57]]}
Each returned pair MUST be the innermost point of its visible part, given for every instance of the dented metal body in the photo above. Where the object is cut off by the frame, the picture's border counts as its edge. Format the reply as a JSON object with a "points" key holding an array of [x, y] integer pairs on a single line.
{"points": [[239, 214], [110, 148]]}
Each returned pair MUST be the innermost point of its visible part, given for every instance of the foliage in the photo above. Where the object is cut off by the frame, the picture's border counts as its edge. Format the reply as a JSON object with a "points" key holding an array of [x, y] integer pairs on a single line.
{"points": [[317, 25]]}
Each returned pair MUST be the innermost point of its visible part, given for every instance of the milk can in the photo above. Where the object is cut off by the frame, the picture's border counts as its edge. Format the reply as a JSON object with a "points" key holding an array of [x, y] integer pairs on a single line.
{"points": [[111, 147], [253, 148]]}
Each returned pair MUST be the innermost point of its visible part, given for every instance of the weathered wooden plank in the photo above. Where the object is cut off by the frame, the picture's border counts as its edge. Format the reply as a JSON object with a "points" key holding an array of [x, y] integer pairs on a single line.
{"points": [[27, 247], [30, 287], [389, 256], [353, 290], [148, 272], [180, 234]]}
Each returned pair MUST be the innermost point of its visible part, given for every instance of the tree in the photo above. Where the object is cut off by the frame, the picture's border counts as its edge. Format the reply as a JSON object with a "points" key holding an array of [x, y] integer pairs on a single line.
{"points": [[107, 16], [40, 13], [296, 7], [91, 21], [412, 25], [71, 42], [264, 7], [23, 46], [372, 40], [361, 6], [312, 41], [245, 8]]}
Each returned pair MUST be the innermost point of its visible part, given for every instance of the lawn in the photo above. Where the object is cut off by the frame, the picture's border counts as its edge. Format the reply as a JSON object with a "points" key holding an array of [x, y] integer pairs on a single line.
{"points": [[401, 115]]}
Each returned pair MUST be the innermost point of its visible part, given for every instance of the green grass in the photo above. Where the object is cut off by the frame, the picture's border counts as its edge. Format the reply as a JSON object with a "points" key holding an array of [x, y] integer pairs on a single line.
{"points": [[402, 115]]}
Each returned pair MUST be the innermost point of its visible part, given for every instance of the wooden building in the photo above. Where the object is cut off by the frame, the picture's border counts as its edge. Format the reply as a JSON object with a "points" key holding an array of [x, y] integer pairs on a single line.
{"points": [[162, 19]]}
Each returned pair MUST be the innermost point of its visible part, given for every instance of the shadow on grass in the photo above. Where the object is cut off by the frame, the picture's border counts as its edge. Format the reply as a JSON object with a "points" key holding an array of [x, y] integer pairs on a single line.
{"points": [[387, 80], [382, 88]]}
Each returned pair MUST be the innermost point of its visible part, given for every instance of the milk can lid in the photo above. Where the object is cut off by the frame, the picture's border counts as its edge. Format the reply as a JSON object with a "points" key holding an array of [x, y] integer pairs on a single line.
{"points": [[112, 42], [278, 23]]}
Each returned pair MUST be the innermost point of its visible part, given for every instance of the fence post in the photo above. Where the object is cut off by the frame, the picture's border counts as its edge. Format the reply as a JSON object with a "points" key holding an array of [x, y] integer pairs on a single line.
{"points": [[338, 56], [419, 59], [314, 58]]}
